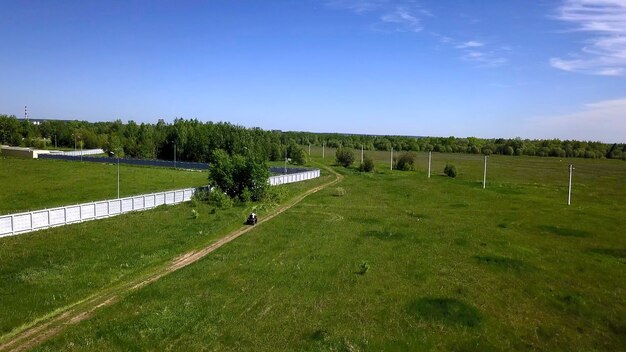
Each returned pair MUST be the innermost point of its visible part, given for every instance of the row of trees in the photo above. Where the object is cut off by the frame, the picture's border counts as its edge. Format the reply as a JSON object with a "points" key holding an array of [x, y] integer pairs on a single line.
{"points": [[195, 141], [191, 140], [471, 145]]}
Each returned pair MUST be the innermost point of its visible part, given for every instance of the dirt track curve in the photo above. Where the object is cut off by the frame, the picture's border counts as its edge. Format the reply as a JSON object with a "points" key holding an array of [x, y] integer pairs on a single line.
{"points": [[44, 329]]}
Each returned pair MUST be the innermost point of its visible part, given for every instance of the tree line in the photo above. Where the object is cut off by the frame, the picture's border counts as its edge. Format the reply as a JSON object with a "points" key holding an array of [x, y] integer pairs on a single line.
{"points": [[193, 140]]}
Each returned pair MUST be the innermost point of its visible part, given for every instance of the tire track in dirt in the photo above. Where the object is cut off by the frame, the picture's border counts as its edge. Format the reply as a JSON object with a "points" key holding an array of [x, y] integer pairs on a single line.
{"points": [[51, 326]]}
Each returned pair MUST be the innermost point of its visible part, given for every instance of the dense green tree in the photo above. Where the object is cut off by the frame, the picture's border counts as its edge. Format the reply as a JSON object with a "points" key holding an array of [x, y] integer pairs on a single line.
{"points": [[344, 157], [239, 176]]}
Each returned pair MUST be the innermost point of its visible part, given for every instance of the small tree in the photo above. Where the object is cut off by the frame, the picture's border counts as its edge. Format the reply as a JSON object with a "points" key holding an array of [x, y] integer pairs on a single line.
{"points": [[345, 157], [239, 176], [367, 165], [296, 154], [406, 162], [450, 170]]}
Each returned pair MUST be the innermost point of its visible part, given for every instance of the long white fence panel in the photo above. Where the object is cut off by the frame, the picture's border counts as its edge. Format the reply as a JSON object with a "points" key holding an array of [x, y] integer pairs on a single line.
{"points": [[15, 224], [83, 152], [290, 178]]}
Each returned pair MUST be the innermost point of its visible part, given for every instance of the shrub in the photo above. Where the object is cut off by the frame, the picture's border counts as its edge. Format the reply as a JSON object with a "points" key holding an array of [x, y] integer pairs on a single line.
{"points": [[450, 170], [194, 214], [339, 192], [344, 156], [406, 162], [245, 196], [274, 195], [219, 199], [363, 268], [367, 165]]}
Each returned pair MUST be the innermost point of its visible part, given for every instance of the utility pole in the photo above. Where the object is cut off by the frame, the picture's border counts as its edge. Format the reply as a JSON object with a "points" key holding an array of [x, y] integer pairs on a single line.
{"points": [[118, 177], [430, 158], [285, 161], [485, 174], [174, 155], [81, 151], [309, 148], [569, 189], [391, 160], [361, 153], [323, 147]]}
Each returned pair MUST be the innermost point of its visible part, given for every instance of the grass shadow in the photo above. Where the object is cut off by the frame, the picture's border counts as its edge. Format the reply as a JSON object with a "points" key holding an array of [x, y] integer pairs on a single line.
{"points": [[564, 231], [449, 311], [503, 263], [611, 252], [384, 234]]}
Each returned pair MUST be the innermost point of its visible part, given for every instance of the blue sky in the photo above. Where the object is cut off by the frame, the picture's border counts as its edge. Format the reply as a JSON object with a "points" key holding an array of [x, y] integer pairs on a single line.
{"points": [[533, 69]]}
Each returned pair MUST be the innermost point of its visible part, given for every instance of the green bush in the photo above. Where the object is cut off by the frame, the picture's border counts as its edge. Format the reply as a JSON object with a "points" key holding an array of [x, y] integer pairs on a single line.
{"points": [[450, 170], [339, 192], [363, 268], [245, 196], [194, 214], [344, 156], [274, 195], [367, 165], [219, 199], [406, 162]]}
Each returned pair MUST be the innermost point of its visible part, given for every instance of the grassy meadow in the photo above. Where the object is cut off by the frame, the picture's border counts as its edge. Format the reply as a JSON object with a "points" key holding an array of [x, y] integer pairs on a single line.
{"points": [[47, 270], [31, 184], [390, 260]]}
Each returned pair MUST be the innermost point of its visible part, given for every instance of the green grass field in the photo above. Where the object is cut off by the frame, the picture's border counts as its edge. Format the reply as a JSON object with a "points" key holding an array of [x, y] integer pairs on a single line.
{"points": [[44, 271], [31, 184], [450, 266]]}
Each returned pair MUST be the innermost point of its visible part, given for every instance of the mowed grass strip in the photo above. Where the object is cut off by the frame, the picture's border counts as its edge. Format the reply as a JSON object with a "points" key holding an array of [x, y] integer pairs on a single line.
{"points": [[32, 184], [47, 270], [450, 267]]}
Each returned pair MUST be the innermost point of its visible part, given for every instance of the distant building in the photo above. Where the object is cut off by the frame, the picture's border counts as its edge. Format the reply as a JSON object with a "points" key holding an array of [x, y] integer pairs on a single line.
{"points": [[40, 121], [22, 152]]}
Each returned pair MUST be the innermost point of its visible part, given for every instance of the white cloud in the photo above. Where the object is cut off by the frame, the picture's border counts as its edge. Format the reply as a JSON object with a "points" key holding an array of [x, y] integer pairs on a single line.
{"points": [[484, 58], [470, 44], [400, 19], [407, 16], [602, 121], [394, 16], [604, 52]]}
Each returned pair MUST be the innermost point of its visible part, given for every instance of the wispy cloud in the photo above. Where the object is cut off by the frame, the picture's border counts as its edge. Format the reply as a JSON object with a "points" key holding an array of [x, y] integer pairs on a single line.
{"points": [[604, 52], [407, 16], [470, 44], [604, 121], [395, 16], [484, 58], [476, 51], [401, 19]]}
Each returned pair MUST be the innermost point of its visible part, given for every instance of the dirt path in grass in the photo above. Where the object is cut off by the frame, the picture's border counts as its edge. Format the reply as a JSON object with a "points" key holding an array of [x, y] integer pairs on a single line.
{"points": [[44, 329]]}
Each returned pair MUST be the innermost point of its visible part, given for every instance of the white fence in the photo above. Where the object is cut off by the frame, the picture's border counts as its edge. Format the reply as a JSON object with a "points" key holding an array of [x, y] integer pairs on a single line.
{"points": [[297, 177], [83, 152], [42, 219], [15, 224]]}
